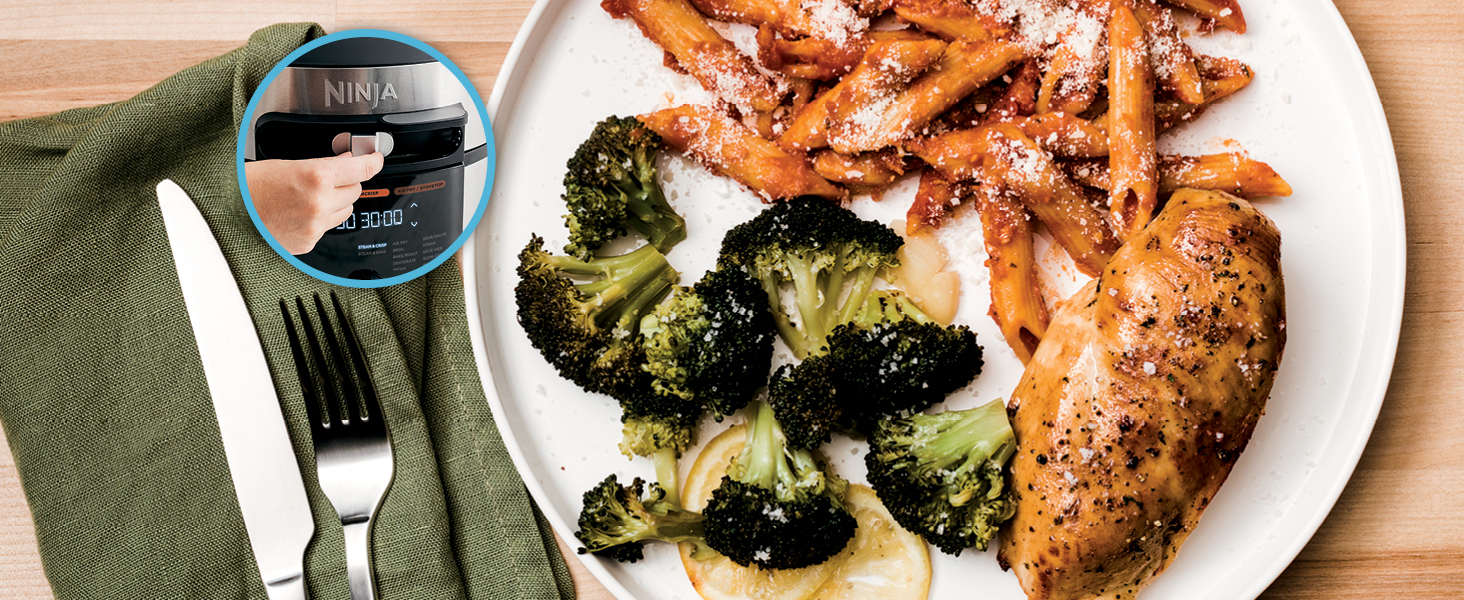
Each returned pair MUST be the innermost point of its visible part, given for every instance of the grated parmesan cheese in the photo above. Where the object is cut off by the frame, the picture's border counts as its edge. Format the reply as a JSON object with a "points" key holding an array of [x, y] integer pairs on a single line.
{"points": [[833, 20]]}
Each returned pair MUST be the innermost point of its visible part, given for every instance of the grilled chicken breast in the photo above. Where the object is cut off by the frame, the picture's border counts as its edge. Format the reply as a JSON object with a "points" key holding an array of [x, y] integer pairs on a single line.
{"points": [[1141, 397]]}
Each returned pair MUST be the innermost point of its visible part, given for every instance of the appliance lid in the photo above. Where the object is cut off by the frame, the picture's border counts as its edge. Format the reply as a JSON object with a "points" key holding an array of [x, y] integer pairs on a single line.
{"points": [[367, 92], [362, 52]]}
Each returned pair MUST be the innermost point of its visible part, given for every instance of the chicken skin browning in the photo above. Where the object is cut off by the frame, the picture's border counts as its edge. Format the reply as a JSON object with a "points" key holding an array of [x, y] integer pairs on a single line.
{"points": [[1141, 397]]}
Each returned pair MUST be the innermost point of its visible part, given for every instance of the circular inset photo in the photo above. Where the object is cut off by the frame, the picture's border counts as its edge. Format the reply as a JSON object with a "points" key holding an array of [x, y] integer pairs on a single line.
{"points": [[365, 158]]}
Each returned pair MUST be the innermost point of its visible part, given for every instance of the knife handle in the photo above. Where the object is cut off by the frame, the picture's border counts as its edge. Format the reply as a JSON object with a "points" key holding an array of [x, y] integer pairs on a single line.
{"points": [[289, 588], [358, 563]]}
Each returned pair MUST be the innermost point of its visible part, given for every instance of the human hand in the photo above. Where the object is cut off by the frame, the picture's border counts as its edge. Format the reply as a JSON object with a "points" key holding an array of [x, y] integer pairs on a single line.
{"points": [[299, 200]]}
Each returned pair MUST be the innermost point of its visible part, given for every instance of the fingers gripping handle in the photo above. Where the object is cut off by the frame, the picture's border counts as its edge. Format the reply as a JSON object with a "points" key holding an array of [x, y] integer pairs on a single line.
{"points": [[361, 145]]}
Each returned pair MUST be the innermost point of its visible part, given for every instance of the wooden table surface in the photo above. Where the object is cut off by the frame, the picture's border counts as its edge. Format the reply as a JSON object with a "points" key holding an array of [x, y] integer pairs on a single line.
{"points": [[1396, 532]]}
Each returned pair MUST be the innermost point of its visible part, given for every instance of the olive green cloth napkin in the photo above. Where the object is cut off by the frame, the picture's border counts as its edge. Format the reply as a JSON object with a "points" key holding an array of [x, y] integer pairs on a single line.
{"points": [[103, 398]]}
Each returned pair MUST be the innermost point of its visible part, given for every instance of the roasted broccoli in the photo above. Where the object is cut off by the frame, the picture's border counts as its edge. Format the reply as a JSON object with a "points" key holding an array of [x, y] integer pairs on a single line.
{"points": [[802, 397], [817, 246], [891, 360], [611, 185], [660, 426], [615, 522], [711, 344], [589, 330], [776, 507], [940, 475], [899, 361]]}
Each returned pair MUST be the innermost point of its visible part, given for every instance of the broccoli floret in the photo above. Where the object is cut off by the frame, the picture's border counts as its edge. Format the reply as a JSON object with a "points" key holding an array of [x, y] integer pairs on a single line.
{"points": [[898, 361], [817, 246], [611, 185], [615, 522], [776, 507], [712, 344], [891, 360], [589, 330], [940, 475], [802, 397], [659, 426]]}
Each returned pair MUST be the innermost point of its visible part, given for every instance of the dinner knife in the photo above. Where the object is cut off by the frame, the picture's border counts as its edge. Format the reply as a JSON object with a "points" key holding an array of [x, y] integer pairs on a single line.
{"points": [[257, 446]]}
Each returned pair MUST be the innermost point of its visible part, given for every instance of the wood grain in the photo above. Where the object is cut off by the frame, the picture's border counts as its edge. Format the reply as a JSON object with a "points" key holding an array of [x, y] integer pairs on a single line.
{"points": [[143, 20], [1394, 533], [46, 76], [20, 564]]}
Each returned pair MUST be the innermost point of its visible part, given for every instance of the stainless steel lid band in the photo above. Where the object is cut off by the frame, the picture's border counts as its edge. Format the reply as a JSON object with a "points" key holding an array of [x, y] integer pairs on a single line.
{"points": [[366, 91]]}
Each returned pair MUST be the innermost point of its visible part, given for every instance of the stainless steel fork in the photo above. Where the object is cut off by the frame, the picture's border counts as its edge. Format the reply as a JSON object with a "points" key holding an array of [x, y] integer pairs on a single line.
{"points": [[352, 448]]}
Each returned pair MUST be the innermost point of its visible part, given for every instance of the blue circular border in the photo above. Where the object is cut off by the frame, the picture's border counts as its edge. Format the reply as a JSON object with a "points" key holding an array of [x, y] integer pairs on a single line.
{"points": [[491, 159]]}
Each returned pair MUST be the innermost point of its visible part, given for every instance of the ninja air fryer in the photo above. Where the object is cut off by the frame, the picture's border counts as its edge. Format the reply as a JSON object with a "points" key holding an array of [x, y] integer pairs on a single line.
{"points": [[368, 94]]}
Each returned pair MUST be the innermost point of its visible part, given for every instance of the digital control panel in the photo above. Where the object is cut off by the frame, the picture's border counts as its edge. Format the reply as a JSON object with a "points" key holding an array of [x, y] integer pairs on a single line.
{"points": [[399, 223]]}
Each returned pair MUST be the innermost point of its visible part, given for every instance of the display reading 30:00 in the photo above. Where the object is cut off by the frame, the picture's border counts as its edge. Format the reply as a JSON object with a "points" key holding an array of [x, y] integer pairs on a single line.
{"points": [[370, 219]]}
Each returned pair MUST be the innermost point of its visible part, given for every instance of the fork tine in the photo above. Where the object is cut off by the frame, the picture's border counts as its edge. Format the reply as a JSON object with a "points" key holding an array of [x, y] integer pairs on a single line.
{"points": [[302, 371], [342, 372], [370, 405], [332, 399]]}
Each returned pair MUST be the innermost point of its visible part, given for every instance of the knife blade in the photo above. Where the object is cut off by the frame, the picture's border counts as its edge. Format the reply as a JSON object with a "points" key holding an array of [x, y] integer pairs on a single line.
{"points": [[261, 460]]}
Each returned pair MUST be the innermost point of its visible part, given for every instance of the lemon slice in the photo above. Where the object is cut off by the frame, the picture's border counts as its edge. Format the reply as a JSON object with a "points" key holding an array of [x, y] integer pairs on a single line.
{"points": [[882, 562], [710, 465], [718, 578]]}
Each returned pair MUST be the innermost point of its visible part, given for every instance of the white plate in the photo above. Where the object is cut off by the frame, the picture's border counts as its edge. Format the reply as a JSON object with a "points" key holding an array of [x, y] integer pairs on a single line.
{"points": [[1312, 113]]}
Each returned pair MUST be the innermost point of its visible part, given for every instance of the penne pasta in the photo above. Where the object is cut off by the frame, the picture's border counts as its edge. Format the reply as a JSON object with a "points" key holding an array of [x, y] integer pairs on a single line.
{"points": [[810, 39], [1003, 152], [958, 155], [950, 19], [935, 200], [886, 67], [1220, 77], [1134, 191], [1225, 13], [751, 12], [831, 20], [1016, 299], [698, 49], [802, 93], [729, 148], [808, 130], [1019, 99], [1075, 68], [891, 119], [1022, 166], [809, 58], [867, 173], [1234, 173], [870, 8], [1066, 135], [1170, 57]]}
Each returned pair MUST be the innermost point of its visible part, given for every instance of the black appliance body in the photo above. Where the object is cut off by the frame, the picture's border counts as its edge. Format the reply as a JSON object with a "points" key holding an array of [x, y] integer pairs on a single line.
{"points": [[371, 94]]}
